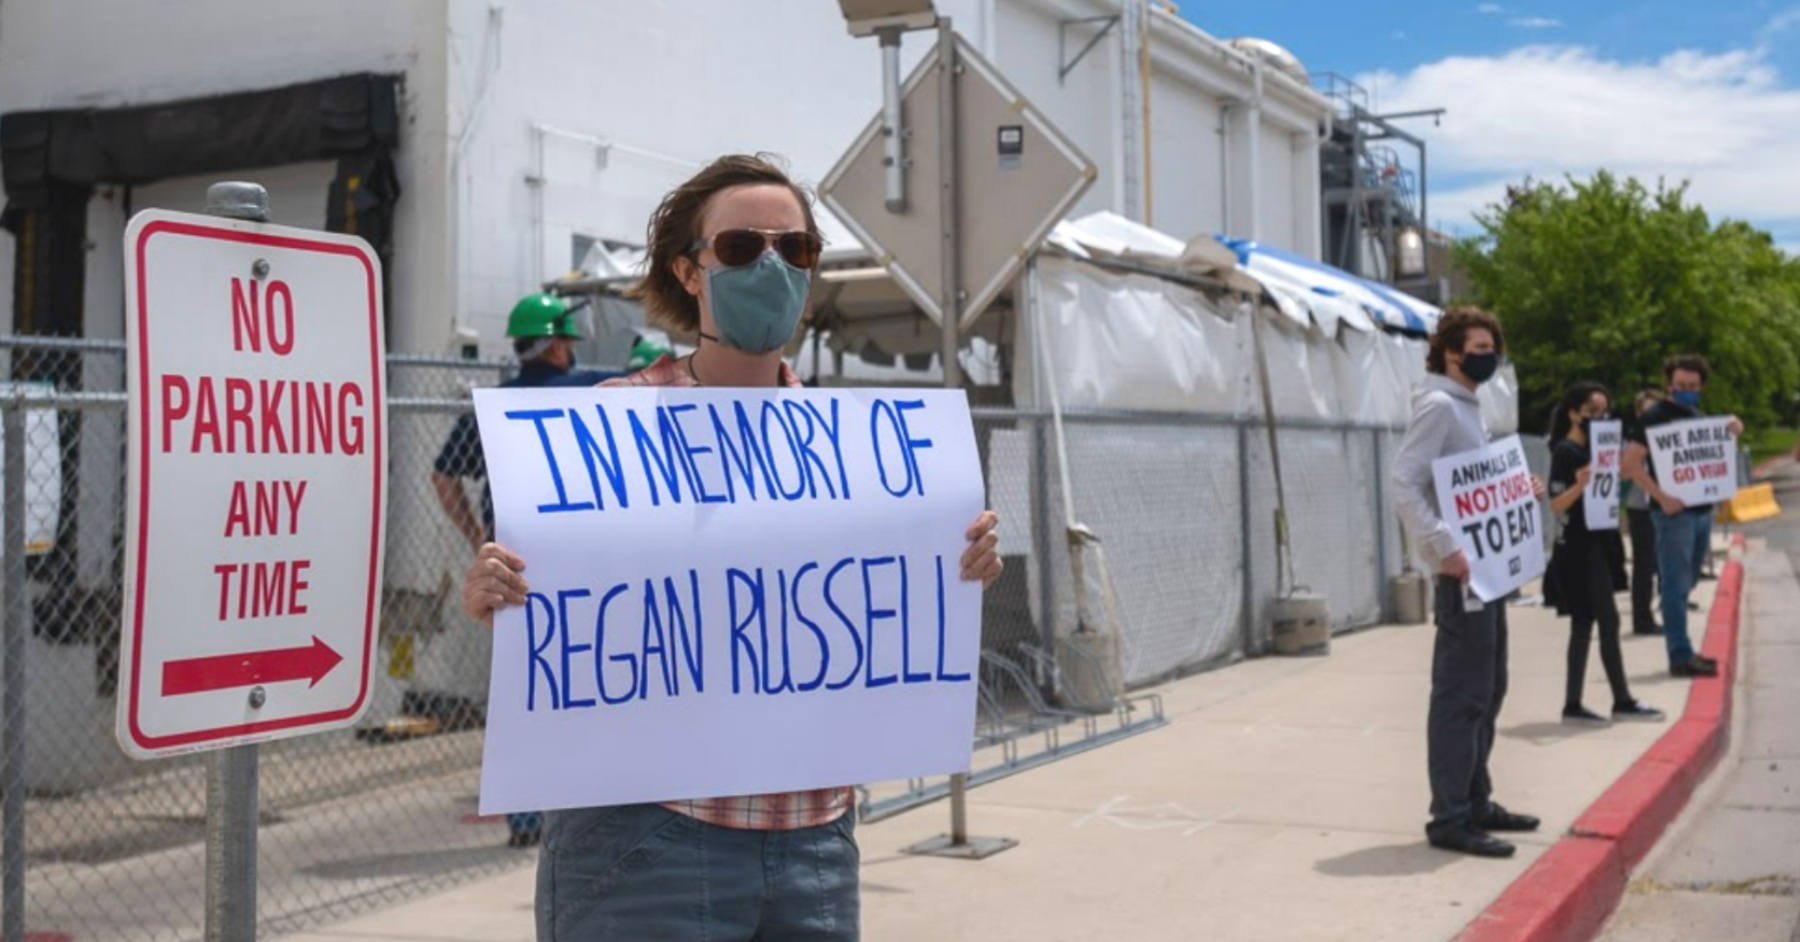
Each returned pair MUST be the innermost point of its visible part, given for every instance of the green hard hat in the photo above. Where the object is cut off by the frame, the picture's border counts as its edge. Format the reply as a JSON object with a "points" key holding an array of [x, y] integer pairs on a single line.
{"points": [[645, 352], [541, 315]]}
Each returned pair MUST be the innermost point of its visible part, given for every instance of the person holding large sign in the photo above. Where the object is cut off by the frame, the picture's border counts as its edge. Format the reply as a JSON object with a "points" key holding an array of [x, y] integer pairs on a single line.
{"points": [[732, 254], [1696, 467], [1584, 572], [1468, 668]]}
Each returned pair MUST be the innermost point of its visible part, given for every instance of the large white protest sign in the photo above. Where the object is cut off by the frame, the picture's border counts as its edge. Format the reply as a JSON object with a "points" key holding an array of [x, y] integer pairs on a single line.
{"points": [[1600, 503], [1486, 497], [1695, 460], [729, 590]]}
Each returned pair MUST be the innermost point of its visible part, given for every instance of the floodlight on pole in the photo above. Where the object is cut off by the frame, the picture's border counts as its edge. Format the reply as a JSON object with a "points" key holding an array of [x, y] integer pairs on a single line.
{"points": [[871, 17], [887, 19]]}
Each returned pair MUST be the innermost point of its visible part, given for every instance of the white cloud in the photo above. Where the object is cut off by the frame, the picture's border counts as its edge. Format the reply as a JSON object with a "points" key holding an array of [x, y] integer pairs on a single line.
{"points": [[1780, 22], [1515, 18], [1725, 122]]}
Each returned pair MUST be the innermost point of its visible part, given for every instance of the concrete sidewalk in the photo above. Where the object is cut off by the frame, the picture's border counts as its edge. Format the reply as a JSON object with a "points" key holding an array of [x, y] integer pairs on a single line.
{"points": [[1285, 801]]}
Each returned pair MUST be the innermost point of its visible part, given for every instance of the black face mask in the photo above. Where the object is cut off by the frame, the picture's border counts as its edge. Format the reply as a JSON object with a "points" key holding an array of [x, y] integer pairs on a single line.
{"points": [[1480, 367]]}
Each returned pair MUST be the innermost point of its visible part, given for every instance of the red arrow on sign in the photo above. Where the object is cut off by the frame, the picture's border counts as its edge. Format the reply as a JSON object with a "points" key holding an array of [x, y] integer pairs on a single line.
{"points": [[202, 674]]}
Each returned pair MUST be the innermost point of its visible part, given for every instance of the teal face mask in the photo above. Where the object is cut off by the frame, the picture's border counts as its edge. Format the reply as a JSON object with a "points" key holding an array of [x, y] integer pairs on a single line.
{"points": [[758, 306]]}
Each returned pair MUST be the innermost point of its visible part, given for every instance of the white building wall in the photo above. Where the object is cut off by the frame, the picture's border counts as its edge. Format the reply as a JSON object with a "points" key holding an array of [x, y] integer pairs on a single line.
{"points": [[1084, 105], [668, 85], [1188, 194], [667, 89], [1275, 177], [100, 53]]}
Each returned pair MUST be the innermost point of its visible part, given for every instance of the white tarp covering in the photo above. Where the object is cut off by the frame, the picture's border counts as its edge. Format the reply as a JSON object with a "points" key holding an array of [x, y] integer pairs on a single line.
{"points": [[1139, 342], [1135, 342]]}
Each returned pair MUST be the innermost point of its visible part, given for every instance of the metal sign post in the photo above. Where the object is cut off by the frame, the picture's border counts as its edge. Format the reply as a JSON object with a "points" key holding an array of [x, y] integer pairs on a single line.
{"points": [[231, 784], [993, 150], [12, 701], [950, 208], [285, 650]]}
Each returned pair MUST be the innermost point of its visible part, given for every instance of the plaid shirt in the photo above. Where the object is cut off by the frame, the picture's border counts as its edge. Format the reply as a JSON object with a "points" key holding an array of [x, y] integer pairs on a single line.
{"points": [[785, 811]]}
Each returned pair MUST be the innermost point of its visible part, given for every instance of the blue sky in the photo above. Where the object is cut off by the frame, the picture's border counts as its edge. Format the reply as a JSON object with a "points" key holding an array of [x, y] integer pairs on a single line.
{"points": [[1707, 92]]}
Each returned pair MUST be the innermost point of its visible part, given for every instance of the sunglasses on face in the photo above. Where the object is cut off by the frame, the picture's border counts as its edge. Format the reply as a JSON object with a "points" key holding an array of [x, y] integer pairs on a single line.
{"points": [[737, 247]]}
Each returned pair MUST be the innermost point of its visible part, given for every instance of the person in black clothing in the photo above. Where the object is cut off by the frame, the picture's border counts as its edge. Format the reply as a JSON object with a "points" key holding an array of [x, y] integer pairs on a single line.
{"points": [[1643, 537], [1584, 570], [543, 332], [1683, 533]]}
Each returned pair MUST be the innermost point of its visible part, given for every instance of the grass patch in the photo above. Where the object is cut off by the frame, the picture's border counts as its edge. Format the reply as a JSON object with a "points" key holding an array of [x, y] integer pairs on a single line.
{"points": [[1769, 442]]}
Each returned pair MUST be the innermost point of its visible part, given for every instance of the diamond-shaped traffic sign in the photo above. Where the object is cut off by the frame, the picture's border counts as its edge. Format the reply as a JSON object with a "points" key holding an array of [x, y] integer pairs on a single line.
{"points": [[1016, 175]]}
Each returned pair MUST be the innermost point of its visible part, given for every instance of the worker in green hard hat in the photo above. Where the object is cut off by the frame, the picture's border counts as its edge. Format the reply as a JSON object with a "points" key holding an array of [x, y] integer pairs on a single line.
{"points": [[543, 329], [646, 351]]}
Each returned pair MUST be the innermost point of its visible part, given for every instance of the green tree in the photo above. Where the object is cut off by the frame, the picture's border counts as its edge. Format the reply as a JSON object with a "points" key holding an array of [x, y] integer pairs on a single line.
{"points": [[1602, 279]]}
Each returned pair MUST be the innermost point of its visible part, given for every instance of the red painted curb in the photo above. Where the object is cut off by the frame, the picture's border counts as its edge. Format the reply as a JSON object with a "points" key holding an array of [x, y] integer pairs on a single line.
{"points": [[1568, 893], [1554, 898]]}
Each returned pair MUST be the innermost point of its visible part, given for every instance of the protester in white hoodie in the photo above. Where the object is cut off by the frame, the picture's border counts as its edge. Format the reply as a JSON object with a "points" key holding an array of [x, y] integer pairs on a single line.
{"points": [[1468, 667]]}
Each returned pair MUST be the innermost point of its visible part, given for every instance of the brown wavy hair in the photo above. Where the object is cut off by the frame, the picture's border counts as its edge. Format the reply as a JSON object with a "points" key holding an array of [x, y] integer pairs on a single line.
{"points": [[1691, 362], [677, 222], [1453, 331]]}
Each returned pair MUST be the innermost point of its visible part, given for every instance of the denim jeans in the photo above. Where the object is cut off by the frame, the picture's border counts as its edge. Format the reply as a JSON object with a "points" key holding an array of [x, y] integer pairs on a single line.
{"points": [[1468, 686], [1682, 544], [643, 872]]}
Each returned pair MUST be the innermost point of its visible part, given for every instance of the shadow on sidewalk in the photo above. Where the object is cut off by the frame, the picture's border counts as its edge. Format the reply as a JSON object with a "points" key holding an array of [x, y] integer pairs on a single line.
{"points": [[1398, 860], [1548, 732]]}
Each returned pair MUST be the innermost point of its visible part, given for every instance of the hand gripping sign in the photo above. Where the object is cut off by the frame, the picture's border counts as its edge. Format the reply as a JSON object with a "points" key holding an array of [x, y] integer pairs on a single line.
{"points": [[1696, 460], [728, 590], [1486, 497], [1600, 502]]}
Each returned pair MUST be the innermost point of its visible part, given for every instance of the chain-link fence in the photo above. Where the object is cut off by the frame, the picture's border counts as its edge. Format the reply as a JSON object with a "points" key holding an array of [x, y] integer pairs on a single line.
{"points": [[358, 819], [1186, 508], [349, 820]]}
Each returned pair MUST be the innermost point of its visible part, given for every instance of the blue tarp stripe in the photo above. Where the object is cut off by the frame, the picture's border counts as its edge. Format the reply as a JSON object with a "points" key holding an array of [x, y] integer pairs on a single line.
{"points": [[1245, 248]]}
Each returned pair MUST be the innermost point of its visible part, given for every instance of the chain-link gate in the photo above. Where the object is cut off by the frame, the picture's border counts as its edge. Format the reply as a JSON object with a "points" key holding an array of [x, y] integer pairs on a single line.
{"points": [[358, 819]]}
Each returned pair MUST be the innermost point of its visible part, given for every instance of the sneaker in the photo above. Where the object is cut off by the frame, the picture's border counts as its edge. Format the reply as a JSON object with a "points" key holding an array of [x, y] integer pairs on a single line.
{"points": [[1694, 668], [1582, 716], [1703, 659], [1637, 711]]}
